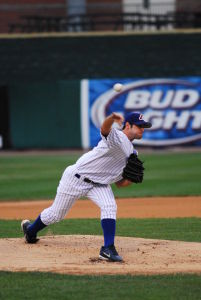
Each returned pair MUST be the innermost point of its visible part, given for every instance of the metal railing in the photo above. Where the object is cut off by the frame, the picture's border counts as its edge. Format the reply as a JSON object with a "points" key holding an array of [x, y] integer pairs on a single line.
{"points": [[110, 21]]}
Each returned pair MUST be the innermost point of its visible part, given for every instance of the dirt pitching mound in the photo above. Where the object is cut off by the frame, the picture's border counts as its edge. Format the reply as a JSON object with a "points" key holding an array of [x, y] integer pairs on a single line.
{"points": [[78, 254]]}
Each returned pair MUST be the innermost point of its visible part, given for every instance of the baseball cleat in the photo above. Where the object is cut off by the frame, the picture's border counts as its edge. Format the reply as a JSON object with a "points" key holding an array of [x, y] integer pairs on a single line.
{"points": [[29, 239], [109, 253]]}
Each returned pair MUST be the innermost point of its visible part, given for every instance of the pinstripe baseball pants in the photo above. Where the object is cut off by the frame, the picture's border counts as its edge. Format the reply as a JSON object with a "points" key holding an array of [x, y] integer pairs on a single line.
{"points": [[72, 188]]}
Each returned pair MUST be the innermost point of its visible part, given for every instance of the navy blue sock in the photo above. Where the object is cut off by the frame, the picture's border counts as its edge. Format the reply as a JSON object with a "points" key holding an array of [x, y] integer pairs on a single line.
{"points": [[109, 228], [36, 226]]}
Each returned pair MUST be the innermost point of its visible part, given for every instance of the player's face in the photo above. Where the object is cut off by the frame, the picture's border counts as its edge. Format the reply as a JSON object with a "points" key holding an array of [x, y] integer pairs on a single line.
{"points": [[136, 132]]}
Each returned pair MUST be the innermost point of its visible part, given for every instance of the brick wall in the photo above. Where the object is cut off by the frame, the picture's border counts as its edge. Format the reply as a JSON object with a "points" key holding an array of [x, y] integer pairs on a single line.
{"points": [[11, 11], [104, 7], [188, 6]]}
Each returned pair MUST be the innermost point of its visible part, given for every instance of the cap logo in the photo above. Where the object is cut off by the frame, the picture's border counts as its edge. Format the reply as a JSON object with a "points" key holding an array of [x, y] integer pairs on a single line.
{"points": [[141, 117]]}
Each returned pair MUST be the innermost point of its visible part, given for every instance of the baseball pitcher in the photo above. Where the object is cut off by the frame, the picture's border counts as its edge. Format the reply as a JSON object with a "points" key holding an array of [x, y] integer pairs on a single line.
{"points": [[113, 160]]}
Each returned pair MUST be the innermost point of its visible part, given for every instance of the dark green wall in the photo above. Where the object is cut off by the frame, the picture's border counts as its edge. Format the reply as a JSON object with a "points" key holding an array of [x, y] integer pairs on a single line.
{"points": [[45, 115], [49, 59]]}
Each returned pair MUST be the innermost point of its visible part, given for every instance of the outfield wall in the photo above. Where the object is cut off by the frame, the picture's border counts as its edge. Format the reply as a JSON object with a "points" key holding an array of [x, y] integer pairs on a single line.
{"points": [[45, 115], [105, 56], [43, 76]]}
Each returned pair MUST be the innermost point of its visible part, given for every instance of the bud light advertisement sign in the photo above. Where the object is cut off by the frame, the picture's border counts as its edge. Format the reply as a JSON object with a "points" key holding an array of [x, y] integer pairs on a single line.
{"points": [[172, 105]]}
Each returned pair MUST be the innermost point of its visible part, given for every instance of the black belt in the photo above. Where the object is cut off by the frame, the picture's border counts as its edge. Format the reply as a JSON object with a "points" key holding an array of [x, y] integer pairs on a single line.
{"points": [[85, 179]]}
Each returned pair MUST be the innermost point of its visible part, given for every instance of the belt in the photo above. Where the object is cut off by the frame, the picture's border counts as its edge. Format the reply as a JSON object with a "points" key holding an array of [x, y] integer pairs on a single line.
{"points": [[85, 179]]}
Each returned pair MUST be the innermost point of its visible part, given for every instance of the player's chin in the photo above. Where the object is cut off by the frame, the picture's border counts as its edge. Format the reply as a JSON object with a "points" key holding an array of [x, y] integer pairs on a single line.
{"points": [[138, 137]]}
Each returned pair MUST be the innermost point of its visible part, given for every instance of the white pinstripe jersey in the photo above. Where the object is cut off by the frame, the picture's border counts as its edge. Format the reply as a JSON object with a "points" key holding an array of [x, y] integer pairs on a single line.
{"points": [[105, 162]]}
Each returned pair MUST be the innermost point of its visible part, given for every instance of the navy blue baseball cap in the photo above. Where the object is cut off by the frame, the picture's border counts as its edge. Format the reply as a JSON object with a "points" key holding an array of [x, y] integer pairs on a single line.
{"points": [[136, 118]]}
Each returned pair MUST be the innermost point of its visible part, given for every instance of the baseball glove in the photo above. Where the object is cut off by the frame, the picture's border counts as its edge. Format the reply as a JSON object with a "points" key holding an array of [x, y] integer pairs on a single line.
{"points": [[134, 170]]}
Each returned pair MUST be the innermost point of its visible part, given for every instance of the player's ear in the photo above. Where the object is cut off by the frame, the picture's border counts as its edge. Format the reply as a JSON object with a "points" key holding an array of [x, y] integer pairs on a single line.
{"points": [[128, 125]]}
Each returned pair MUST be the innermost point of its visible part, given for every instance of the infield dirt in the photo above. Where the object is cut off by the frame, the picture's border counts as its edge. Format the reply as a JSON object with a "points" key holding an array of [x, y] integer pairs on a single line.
{"points": [[76, 254], [156, 207], [79, 255]]}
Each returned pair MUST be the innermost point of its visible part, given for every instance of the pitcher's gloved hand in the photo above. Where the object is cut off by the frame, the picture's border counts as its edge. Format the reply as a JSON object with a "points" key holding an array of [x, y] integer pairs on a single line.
{"points": [[134, 170]]}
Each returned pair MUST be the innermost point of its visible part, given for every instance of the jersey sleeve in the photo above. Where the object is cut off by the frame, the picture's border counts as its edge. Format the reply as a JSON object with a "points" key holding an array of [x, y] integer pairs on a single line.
{"points": [[112, 139], [117, 139]]}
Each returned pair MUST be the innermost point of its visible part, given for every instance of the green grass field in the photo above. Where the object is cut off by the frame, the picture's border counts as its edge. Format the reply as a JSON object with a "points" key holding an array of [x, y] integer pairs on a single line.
{"points": [[37, 176], [183, 229], [64, 287]]}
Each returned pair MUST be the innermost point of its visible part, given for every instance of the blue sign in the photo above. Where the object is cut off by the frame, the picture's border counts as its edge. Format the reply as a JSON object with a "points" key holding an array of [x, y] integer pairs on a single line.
{"points": [[173, 106]]}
